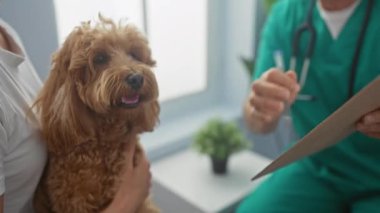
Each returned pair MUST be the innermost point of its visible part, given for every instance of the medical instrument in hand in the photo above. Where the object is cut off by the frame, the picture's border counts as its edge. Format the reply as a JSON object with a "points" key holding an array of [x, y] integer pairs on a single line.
{"points": [[279, 62], [290, 134], [307, 26]]}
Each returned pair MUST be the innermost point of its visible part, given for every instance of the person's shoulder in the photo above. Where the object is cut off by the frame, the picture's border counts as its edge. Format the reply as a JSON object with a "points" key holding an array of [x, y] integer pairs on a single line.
{"points": [[285, 15], [293, 3], [290, 7]]}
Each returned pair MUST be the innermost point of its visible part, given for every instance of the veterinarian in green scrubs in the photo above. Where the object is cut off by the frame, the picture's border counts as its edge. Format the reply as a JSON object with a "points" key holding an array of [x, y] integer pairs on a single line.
{"points": [[346, 177]]}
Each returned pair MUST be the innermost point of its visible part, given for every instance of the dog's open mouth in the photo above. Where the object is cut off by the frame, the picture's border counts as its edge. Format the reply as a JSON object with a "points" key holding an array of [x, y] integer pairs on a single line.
{"points": [[130, 101]]}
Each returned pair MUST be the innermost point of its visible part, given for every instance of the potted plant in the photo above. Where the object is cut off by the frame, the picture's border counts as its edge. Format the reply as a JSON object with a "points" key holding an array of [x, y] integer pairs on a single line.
{"points": [[219, 139]]}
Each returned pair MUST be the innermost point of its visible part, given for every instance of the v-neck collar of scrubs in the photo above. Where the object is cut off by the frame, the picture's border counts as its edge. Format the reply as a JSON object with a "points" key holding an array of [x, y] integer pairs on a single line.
{"points": [[337, 19], [349, 30], [331, 62]]}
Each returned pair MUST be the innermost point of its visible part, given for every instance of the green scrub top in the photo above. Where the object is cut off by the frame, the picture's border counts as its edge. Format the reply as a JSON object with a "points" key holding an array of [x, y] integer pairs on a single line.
{"points": [[356, 158]]}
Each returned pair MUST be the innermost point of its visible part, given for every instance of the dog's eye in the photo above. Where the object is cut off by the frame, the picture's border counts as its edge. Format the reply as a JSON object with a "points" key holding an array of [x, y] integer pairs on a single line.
{"points": [[134, 56], [101, 58]]}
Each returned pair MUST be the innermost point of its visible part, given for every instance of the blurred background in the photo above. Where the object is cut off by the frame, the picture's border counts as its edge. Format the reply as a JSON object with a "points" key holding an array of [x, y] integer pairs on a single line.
{"points": [[204, 51]]}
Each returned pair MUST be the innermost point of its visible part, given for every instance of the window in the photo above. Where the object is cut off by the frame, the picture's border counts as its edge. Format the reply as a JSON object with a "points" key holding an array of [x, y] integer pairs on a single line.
{"points": [[197, 45], [176, 31], [71, 13]]}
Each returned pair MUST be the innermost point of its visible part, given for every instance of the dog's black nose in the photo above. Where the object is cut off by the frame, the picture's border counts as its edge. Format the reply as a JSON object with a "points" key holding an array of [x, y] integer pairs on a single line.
{"points": [[135, 81]]}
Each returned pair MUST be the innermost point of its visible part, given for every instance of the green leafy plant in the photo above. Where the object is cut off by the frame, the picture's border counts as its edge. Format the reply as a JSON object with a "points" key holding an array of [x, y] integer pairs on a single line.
{"points": [[219, 139], [268, 4], [249, 65]]}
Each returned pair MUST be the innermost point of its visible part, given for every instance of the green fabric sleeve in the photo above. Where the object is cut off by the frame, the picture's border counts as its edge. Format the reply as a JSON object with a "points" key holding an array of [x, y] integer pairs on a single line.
{"points": [[269, 42]]}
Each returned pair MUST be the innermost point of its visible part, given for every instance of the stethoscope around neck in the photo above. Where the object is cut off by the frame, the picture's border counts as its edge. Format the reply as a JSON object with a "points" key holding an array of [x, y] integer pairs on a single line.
{"points": [[307, 26]]}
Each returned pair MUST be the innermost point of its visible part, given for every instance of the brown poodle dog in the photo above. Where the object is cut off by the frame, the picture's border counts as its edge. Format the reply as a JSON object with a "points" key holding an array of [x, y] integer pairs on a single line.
{"points": [[100, 94]]}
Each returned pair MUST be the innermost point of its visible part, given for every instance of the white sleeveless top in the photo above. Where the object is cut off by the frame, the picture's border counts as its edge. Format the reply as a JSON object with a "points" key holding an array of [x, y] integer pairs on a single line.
{"points": [[22, 153]]}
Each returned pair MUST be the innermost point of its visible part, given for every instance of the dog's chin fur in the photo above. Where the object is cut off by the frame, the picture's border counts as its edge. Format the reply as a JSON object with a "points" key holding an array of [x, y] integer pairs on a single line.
{"points": [[88, 111]]}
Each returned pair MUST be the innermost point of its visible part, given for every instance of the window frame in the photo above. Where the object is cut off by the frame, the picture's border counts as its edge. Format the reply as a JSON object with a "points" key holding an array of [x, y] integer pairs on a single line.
{"points": [[227, 81]]}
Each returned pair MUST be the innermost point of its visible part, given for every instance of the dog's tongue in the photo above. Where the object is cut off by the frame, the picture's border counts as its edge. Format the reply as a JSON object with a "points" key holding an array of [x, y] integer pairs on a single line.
{"points": [[133, 99]]}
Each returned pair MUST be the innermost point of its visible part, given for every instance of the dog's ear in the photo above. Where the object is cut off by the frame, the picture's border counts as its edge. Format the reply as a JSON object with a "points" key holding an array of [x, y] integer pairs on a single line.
{"points": [[151, 62], [72, 57], [67, 122], [150, 117], [138, 45], [58, 101]]}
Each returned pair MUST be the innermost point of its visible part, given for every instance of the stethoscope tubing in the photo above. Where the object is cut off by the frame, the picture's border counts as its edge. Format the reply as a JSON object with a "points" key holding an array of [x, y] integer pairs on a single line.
{"points": [[307, 26]]}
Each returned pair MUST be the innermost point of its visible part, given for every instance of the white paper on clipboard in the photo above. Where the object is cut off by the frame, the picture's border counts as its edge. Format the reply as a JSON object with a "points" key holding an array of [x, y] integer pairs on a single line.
{"points": [[333, 129]]}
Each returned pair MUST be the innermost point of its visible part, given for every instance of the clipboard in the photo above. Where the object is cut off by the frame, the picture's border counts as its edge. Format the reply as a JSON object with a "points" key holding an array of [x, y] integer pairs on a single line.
{"points": [[332, 130]]}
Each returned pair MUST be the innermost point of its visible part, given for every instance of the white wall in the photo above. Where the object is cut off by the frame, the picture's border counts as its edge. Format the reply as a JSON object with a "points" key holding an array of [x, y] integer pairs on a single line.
{"points": [[239, 28]]}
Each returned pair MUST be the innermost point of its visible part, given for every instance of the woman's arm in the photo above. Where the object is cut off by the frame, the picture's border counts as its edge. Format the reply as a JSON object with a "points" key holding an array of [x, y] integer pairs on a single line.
{"points": [[273, 89], [136, 183]]}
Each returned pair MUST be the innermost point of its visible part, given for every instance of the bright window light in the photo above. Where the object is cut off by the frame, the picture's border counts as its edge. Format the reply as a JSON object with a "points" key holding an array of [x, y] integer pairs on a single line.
{"points": [[70, 13], [176, 32]]}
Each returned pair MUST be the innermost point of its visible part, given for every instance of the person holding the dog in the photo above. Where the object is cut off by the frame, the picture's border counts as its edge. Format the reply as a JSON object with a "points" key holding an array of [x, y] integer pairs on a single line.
{"points": [[22, 152], [336, 44]]}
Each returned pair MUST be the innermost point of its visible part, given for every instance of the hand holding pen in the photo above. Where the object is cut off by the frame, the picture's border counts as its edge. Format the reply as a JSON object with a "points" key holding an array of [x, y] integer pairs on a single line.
{"points": [[279, 62], [269, 96]]}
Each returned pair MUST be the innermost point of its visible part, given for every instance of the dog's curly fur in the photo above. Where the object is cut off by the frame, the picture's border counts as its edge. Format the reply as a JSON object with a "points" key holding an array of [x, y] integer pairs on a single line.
{"points": [[100, 94]]}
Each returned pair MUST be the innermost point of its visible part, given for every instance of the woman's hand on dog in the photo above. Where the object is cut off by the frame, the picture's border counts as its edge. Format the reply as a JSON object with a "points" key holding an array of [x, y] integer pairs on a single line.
{"points": [[136, 182]]}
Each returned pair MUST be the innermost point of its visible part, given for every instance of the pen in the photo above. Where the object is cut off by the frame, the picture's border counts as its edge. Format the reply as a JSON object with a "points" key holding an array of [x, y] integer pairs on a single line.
{"points": [[279, 63], [279, 59]]}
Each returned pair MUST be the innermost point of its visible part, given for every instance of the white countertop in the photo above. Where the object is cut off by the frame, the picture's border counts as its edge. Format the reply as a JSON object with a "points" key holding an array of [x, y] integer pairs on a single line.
{"points": [[189, 175]]}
